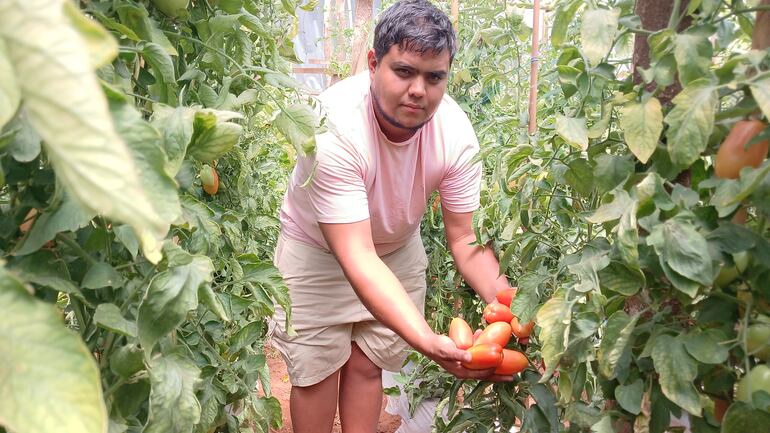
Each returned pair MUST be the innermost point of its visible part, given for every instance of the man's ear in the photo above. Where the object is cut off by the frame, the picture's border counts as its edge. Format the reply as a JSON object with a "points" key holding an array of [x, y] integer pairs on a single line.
{"points": [[371, 60]]}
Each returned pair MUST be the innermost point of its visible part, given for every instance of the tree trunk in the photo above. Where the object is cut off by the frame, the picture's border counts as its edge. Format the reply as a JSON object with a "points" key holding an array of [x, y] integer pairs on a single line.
{"points": [[655, 15]]}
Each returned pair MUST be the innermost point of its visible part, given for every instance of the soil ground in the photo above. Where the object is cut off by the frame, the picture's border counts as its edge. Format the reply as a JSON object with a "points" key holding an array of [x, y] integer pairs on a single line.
{"points": [[281, 388]]}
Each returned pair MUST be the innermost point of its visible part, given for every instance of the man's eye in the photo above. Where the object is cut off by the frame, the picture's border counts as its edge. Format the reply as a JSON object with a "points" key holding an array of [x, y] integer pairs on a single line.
{"points": [[435, 78], [402, 72]]}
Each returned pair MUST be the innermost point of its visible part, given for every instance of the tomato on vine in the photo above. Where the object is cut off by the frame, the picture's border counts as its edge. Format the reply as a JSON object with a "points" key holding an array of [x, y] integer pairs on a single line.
{"points": [[461, 333], [733, 155], [498, 332], [483, 356], [513, 362], [496, 312]]}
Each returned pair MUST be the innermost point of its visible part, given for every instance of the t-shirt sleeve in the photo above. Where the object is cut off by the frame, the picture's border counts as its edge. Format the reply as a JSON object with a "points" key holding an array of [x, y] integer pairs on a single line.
{"points": [[337, 191], [460, 189]]}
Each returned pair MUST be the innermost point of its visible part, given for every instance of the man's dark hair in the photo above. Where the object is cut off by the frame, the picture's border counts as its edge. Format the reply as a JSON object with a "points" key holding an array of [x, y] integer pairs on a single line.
{"points": [[416, 26]]}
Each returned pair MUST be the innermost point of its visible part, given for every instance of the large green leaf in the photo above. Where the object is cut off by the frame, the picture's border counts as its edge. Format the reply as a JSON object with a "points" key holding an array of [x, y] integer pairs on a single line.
{"points": [[298, 123], [10, 94], [573, 130], [683, 249], [526, 300], [563, 16], [628, 236], [613, 210], [630, 396], [693, 53], [213, 134], [108, 316], [51, 62], [676, 370], [170, 296], [614, 344], [554, 319], [162, 67], [174, 408], [597, 33], [642, 124], [708, 346], [49, 381], [68, 216], [176, 128], [691, 121], [266, 276]]}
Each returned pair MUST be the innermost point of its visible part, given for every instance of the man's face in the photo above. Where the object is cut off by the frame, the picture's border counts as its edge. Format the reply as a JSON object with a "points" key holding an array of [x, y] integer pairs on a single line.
{"points": [[407, 89]]}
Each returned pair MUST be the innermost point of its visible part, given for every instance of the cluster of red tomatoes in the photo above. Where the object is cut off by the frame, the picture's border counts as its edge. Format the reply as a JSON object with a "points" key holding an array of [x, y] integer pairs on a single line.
{"points": [[488, 348]]}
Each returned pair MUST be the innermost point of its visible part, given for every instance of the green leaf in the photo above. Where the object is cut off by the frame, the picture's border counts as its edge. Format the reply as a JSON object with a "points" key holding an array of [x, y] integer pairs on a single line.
{"points": [[554, 319], [676, 370], [615, 343], [108, 316], [611, 171], [69, 216], [173, 405], [49, 381], [10, 94], [298, 123], [642, 124], [580, 176], [621, 279], [101, 274], [691, 121], [170, 296], [136, 17], [613, 210], [526, 300], [102, 47], [26, 144], [741, 418], [707, 346], [90, 159], [597, 33], [125, 234], [603, 426], [693, 53], [162, 67], [586, 270], [573, 130], [630, 396], [213, 134], [266, 276], [45, 269], [176, 128], [563, 16], [628, 236], [210, 299], [760, 90], [684, 249]]}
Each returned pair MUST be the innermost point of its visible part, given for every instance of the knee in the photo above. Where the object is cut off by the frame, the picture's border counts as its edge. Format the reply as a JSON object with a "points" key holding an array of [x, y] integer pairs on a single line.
{"points": [[360, 365]]}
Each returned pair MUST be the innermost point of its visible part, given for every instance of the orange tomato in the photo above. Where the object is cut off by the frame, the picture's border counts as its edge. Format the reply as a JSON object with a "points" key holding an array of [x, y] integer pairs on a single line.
{"points": [[460, 332], [498, 332], [483, 356], [495, 312], [505, 296], [732, 155], [519, 330], [513, 362]]}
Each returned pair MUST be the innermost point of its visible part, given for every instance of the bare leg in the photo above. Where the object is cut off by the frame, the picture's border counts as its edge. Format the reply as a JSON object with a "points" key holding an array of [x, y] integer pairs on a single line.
{"points": [[360, 393], [313, 407]]}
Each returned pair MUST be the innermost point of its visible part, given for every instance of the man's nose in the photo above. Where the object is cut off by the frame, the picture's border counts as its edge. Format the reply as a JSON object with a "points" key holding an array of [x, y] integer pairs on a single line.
{"points": [[417, 88]]}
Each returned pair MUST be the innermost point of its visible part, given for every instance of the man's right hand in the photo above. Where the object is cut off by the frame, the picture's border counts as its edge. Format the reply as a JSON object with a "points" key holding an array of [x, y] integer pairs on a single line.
{"points": [[443, 351]]}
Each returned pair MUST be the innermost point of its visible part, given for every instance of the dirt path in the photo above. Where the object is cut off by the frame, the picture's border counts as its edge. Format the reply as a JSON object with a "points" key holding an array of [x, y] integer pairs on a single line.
{"points": [[281, 388]]}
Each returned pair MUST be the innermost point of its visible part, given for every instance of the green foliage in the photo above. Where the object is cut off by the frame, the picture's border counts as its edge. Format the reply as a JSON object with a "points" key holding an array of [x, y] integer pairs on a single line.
{"points": [[132, 300]]}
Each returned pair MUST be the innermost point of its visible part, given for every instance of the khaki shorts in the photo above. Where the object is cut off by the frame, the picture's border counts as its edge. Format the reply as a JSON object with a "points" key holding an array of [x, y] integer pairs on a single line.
{"points": [[327, 315]]}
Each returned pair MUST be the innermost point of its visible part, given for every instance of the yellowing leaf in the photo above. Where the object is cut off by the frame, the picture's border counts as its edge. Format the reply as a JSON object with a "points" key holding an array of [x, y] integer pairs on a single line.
{"points": [[10, 96], [597, 33], [691, 122], [69, 110], [642, 124], [49, 381], [573, 131]]}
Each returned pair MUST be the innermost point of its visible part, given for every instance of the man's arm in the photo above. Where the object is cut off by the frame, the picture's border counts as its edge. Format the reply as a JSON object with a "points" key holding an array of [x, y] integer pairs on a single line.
{"points": [[382, 294], [478, 265]]}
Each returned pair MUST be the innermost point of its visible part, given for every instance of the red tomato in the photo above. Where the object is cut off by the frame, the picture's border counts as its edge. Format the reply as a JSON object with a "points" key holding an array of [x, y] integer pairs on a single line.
{"points": [[513, 362], [495, 312], [498, 332], [460, 332], [732, 155], [483, 356], [519, 330], [505, 296]]}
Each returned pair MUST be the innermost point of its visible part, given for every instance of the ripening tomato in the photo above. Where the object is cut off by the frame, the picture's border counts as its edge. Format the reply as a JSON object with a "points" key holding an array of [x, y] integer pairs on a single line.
{"points": [[461, 333], [505, 296], [483, 356], [513, 362], [732, 155], [720, 407], [495, 312], [209, 179], [758, 379], [498, 332], [519, 330]]}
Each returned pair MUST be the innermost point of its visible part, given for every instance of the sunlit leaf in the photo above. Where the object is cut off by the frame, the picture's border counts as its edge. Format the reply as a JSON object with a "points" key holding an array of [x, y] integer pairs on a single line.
{"points": [[642, 124]]}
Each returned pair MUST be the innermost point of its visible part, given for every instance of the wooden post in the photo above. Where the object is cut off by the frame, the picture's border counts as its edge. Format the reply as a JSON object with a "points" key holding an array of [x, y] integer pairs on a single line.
{"points": [[362, 26], [533, 68], [760, 40], [455, 13]]}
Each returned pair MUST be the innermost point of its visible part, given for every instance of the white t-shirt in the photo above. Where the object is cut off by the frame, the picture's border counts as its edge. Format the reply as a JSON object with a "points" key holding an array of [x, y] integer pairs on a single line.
{"points": [[357, 173]]}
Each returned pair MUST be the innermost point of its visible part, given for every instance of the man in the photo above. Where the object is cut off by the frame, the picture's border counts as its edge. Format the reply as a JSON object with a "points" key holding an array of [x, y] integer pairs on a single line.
{"points": [[350, 248]]}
